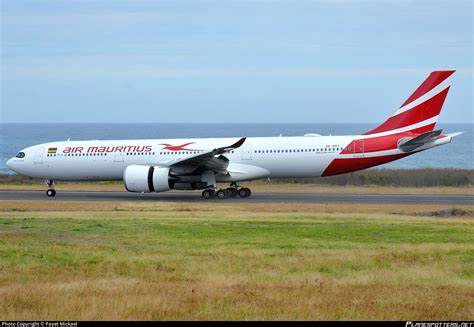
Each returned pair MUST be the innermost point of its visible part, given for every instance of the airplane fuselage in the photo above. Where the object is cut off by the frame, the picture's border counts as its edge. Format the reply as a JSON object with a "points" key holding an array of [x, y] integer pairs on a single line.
{"points": [[158, 165], [304, 156]]}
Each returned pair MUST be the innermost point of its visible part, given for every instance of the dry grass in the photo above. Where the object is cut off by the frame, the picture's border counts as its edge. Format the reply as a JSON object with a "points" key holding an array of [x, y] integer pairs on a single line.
{"points": [[217, 295], [246, 209], [145, 261]]}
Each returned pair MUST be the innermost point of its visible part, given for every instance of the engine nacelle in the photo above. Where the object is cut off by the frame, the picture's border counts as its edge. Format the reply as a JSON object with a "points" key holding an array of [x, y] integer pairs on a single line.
{"points": [[147, 179]]}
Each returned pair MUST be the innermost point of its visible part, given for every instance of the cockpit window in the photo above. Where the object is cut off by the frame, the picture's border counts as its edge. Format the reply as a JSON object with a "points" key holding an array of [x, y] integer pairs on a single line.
{"points": [[20, 155]]}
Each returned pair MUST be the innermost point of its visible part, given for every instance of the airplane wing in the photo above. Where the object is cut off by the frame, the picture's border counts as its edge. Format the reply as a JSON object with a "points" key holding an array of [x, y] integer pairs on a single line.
{"points": [[213, 160], [410, 144]]}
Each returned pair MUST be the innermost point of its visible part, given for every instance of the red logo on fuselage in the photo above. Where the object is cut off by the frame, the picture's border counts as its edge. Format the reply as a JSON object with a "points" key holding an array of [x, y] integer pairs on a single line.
{"points": [[181, 147]]}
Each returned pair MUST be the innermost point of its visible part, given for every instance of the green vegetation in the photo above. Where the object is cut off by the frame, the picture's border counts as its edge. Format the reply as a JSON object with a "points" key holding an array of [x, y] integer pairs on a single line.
{"points": [[453, 212], [198, 263], [396, 177]]}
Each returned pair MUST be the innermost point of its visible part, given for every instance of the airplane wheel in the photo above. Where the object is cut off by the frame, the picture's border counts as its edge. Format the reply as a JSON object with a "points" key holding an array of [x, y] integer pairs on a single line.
{"points": [[249, 192], [244, 192], [221, 194], [208, 194], [231, 192], [50, 192]]}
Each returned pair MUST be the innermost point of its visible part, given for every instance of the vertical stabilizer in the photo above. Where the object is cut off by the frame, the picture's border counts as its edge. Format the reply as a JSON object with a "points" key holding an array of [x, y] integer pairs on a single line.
{"points": [[420, 111]]}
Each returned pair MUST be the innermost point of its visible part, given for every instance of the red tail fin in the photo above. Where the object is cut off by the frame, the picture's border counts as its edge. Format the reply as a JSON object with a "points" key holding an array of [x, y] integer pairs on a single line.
{"points": [[420, 111]]}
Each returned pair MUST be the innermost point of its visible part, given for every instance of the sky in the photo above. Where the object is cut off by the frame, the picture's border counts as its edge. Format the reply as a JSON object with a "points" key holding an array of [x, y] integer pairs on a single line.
{"points": [[229, 61]]}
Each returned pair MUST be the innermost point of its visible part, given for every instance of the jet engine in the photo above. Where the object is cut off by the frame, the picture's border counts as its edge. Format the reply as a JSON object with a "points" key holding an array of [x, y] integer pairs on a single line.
{"points": [[147, 179]]}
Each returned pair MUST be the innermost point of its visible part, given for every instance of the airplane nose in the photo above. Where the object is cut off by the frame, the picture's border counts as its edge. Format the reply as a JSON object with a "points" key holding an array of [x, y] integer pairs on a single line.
{"points": [[10, 164]]}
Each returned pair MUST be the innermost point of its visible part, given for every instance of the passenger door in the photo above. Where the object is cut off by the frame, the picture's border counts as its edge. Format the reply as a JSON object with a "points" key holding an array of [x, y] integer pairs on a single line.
{"points": [[39, 156], [358, 148], [247, 152]]}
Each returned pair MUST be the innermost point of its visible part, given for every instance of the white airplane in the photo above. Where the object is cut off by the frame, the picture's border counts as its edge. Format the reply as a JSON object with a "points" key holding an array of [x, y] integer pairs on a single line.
{"points": [[158, 165]]}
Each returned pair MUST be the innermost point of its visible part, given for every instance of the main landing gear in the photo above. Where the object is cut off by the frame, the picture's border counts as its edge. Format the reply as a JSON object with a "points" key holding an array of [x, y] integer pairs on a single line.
{"points": [[51, 191], [231, 192]]}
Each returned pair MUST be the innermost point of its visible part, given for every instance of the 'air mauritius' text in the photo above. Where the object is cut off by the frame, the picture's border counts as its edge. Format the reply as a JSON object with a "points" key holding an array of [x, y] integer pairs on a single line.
{"points": [[102, 149]]}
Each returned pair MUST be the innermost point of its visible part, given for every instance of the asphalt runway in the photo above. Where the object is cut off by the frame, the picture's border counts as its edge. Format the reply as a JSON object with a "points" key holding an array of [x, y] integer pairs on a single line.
{"points": [[255, 198]]}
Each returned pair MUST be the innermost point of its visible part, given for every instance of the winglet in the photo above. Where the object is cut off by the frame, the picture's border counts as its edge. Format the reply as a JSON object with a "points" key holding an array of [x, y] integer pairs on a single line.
{"points": [[230, 147], [238, 143]]}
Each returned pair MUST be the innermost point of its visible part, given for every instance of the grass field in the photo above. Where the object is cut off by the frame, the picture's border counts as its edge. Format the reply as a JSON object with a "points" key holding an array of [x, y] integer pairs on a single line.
{"points": [[81, 260]]}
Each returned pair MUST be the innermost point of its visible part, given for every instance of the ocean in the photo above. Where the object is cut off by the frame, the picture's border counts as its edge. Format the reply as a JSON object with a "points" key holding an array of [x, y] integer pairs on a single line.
{"points": [[14, 137]]}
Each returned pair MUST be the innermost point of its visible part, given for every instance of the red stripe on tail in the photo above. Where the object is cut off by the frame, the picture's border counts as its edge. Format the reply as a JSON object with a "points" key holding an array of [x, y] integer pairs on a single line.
{"points": [[430, 83], [421, 112]]}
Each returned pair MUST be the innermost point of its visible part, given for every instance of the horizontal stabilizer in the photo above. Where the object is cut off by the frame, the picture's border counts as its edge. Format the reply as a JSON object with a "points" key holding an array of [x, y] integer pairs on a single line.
{"points": [[410, 144], [455, 134]]}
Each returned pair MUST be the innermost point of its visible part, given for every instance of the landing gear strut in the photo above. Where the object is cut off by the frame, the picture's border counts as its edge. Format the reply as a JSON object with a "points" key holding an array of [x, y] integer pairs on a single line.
{"points": [[51, 191], [231, 192]]}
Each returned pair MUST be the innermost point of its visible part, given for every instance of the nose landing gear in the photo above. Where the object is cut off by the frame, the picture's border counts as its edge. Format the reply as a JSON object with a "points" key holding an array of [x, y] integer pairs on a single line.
{"points": [[51, 191]]}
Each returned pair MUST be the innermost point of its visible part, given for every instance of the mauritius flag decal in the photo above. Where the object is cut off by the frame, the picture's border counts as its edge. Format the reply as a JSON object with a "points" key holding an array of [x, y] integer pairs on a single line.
{"points": [[52, 150]]}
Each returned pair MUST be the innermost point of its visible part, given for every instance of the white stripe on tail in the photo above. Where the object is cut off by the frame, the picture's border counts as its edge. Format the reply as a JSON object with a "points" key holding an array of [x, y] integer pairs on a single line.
{"points": [[420, 111]]}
